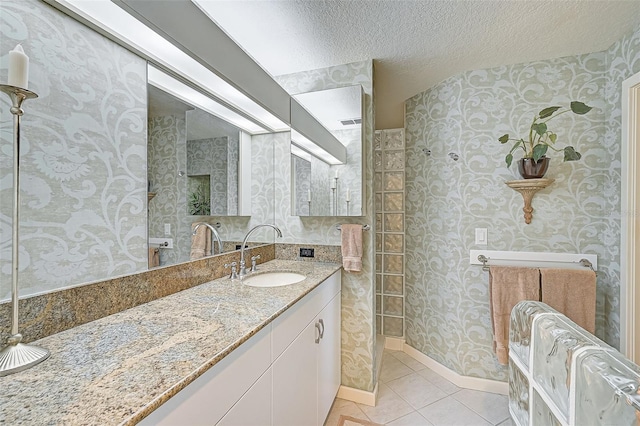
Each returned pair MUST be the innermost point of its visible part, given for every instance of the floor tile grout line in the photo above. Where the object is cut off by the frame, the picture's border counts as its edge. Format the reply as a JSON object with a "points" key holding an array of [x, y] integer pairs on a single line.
{"points": [[479, 414]]}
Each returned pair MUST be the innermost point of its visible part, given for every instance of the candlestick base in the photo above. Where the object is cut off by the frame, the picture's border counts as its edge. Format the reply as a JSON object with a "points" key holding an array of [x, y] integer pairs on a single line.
{"points": [[19, 91], [16, 356]]}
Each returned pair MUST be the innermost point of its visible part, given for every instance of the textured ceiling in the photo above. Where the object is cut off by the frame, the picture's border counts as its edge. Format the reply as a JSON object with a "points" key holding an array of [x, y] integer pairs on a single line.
{"points": [[416, 44]]}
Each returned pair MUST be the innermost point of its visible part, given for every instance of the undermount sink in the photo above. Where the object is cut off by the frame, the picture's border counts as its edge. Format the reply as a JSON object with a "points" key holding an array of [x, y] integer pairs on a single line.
{"points": [[273, 279]]}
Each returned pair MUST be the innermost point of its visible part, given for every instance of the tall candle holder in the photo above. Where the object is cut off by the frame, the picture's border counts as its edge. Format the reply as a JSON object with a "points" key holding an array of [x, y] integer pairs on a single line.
{"points": [[336, 194], [17, 356]]}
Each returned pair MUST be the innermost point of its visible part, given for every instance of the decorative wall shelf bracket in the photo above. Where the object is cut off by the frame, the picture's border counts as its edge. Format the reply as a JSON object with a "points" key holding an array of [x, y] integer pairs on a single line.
{"points": [[528, 188]]}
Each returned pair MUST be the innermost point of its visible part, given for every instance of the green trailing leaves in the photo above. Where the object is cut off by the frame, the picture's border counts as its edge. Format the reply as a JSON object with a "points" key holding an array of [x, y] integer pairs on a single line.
{"points": [[508, 159], [539, 128], [580, 108], [504, 138], [570, 154], [553, 137], [539, 151], [547, 112]]}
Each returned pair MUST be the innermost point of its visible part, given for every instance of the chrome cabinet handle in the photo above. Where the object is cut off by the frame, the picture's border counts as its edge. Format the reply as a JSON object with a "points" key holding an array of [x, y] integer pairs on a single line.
{"points": [[319, 335], [322, 324]]}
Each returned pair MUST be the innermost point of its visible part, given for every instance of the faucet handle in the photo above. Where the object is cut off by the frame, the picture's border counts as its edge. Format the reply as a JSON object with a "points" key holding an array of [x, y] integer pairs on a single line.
{"points": [[254, 264], [234, 271]]}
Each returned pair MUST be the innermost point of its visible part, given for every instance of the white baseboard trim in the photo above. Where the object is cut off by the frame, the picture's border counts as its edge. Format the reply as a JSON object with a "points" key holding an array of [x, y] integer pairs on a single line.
{"points": [[359, 396], [393, 343], [466, 382]]}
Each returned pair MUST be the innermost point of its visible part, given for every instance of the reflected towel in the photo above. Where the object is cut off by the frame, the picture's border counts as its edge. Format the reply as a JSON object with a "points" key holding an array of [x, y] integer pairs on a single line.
{"points": [[352, 247], [507, 287], [200, 243], [571, 292], [154, 257]]}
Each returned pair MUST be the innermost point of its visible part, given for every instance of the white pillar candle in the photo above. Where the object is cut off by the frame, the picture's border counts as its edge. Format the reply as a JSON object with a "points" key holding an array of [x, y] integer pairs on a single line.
{"points": [[336, 176], [333, 184], [18, 68], [348, 195], [308, 195]]}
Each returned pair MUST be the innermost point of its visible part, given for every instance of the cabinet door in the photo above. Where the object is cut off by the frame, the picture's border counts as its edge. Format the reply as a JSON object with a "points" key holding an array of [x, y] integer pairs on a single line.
{"points": [[329, 358], [294, 381], [211, 395], [254, 408]]}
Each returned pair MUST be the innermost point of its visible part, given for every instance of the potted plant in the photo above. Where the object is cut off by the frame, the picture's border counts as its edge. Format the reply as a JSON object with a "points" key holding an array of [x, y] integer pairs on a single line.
{"points": [[534, 162]]}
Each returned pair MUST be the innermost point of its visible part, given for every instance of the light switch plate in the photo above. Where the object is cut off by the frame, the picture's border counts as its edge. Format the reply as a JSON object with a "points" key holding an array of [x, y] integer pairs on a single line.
{"points": [[481, 236], [167, 229]]}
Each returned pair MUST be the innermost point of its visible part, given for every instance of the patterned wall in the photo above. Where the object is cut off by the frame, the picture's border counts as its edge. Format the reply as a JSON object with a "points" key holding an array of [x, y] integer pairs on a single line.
{"points": [[166, 153], [389, 184], [83, 154], [301, 170], [447, 314], [623, 61], [263, 192], [358, 333], [210, 158]]}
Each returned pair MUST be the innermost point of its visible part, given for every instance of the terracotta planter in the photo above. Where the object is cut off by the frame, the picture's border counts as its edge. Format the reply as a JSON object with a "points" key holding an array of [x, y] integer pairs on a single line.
{"points": [[529, 169]]}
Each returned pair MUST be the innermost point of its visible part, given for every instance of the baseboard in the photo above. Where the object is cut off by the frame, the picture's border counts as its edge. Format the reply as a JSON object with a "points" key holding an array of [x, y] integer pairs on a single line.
{"points": [[394, 343], [358, 395], [466, 382]]}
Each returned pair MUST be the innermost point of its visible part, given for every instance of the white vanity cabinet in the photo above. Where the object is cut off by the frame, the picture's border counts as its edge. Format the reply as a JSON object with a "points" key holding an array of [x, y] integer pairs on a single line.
{"points": [[287, 374], [306, 376]]}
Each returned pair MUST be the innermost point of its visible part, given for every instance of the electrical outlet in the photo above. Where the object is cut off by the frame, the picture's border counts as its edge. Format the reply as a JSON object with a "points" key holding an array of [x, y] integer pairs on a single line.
{"points": [[307, 252], [239, 246]]}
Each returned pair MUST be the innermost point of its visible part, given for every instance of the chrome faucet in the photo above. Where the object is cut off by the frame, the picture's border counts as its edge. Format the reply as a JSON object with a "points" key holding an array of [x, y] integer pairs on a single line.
{"points": [[243, 269], [214, 232]]}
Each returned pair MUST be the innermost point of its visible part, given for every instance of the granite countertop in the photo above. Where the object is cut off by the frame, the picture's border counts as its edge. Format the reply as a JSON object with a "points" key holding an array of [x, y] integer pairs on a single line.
{"points": [[120, 368]]}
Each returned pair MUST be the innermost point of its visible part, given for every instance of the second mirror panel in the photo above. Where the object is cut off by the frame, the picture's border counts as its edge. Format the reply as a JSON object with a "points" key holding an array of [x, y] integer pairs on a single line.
{"points": [[319, 186]]}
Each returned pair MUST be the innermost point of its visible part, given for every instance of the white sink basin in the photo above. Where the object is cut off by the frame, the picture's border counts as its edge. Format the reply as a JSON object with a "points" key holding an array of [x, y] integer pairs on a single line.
{"points": [[273, 279]]}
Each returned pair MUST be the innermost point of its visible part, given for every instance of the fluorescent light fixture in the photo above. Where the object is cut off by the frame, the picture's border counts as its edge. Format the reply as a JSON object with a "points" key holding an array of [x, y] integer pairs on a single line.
{"points": [[111, 18], [298, 152], [302, 142], [191, 96]]}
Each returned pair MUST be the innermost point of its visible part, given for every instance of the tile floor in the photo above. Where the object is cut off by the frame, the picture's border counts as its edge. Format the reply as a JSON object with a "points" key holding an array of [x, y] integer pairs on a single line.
{"points": [[410, 394]]}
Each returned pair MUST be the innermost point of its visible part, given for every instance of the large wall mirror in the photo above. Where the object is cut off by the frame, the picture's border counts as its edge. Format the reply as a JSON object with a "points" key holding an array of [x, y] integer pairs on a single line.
{"points": [[321, 184], [199, 170], [84, 174]]}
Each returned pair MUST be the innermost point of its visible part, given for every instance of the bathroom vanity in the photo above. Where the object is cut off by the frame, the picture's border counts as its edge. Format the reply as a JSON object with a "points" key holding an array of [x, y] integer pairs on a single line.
{"points": [[221, 351]]}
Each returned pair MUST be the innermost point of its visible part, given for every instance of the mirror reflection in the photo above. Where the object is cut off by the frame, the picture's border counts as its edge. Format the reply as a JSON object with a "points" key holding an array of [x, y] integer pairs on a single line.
{"points": [[194, 163], [319, 186]]}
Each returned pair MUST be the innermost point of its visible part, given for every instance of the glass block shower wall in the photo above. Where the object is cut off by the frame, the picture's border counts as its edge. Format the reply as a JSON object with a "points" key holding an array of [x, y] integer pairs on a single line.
{"points": [[389, 183]]}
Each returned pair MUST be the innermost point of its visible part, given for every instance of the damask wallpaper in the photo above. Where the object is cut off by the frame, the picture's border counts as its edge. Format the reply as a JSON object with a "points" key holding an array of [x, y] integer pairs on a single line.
{"points": [[83, 154], [301, 185], [263, 193], [167, 157], [358, 312], [447, 311]]}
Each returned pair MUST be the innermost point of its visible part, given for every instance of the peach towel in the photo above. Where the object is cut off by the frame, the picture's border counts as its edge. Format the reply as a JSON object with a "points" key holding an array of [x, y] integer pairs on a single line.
{"points": [[154, 257], [507, 287], [352, 247], [571, 292], [200, 243]]}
